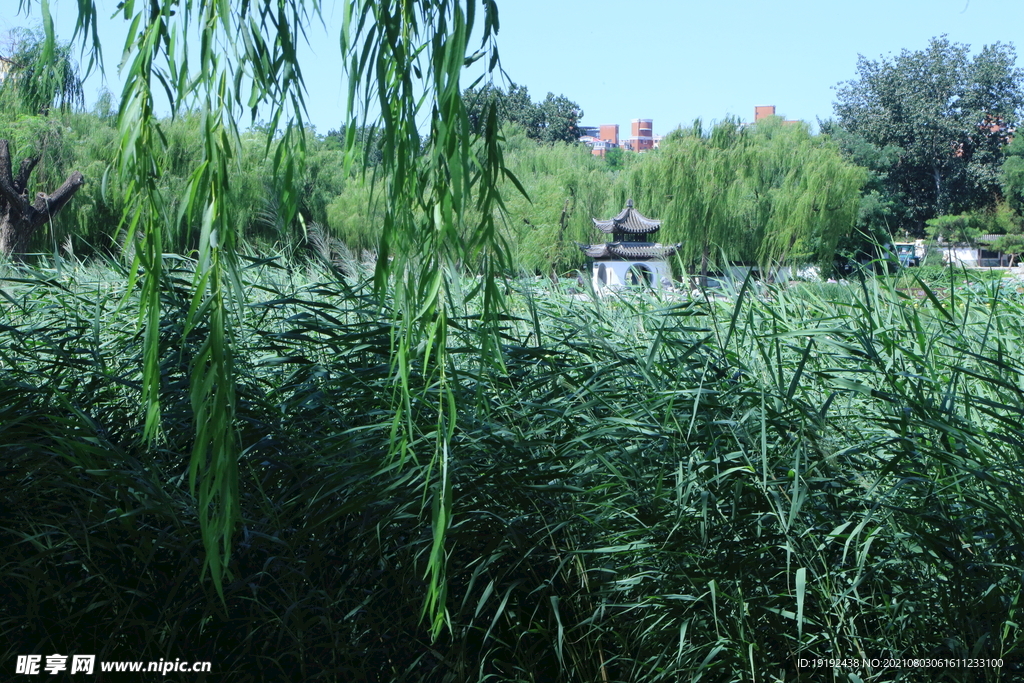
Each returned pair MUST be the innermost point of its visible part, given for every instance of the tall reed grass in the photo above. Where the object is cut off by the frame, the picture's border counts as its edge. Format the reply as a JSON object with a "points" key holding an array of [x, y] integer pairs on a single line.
{"points": [[642, 489]]}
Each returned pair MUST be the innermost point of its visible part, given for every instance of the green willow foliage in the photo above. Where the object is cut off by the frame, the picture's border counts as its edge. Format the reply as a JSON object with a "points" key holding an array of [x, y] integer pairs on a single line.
{"points": [[428, 191], [216, 61], [354, 215], [42, 76], [565, 187], [88, 142], [1012, 174], [768, 194]]}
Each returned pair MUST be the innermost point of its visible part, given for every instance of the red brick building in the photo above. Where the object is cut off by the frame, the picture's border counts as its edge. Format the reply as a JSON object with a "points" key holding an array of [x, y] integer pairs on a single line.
{"points": [[765, 110], [601, 139], [642, 137], [610, 133]]}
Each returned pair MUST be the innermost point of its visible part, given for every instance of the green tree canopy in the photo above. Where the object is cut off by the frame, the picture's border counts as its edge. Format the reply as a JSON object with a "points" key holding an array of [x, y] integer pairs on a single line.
{"points": [[555, 119], [1013, 174], [768, 193], [560, 119], [956, 229], [942, 117], [40, 75]]}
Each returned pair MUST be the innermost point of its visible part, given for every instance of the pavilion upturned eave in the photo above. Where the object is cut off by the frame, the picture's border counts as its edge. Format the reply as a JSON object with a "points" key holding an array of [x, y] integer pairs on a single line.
{"points": [[629, 252], [628, 221]]}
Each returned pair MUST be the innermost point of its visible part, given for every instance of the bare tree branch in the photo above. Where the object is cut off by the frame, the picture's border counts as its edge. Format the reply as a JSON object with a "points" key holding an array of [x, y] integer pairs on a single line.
{"points": [[50, 205], [5, 163], [7, 191], [18, 219], [21, 182]]}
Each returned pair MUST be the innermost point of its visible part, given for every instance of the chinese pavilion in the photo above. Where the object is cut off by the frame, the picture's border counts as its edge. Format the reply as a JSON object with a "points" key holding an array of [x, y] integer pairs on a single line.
{"points": [[631, 258]]}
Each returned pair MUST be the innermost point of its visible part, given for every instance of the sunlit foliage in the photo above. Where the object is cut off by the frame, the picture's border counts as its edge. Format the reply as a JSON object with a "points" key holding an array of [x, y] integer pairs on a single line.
{"points": [[940, 117], [766, 194], [650, 491], [40, 75], [217, 61]]}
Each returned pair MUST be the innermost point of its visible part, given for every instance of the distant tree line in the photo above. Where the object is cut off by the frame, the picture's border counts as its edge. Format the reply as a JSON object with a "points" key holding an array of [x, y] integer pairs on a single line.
{"points": [[923, 144], [556, 118], [936, 130]]}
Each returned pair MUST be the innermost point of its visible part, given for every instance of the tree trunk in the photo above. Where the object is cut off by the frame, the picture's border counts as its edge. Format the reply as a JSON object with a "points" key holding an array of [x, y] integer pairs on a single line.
{"points": [[563, 222], [704, 266], [18, 218]]}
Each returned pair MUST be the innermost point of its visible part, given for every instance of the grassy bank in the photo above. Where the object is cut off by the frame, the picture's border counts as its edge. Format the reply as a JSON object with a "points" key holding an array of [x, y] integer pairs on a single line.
{"points": [[644, 490]]}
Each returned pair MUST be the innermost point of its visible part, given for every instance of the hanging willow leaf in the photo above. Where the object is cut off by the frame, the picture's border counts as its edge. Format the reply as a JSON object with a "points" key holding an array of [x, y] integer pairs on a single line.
{"points": [[429, 192], [404, 60]]}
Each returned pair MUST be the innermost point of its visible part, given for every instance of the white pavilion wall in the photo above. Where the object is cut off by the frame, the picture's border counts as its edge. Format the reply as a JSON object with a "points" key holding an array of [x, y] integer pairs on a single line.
{"points": [[616, 273]]}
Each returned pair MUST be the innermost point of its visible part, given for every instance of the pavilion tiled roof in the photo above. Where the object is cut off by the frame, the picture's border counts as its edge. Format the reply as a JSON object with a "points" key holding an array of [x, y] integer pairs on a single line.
{"points": [[629, 221], [632, 250]]}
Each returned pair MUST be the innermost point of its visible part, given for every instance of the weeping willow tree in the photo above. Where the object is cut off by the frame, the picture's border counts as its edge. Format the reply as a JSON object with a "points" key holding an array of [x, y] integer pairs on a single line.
{"points": [[396, 51], [691, 185], [566, 186], [41, 74], [767, 194], [220, 60], [797, 195]]}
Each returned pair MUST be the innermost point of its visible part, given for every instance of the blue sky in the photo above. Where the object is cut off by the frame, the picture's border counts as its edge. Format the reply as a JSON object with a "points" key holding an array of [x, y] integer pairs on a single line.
{"points": [[671, 61]]}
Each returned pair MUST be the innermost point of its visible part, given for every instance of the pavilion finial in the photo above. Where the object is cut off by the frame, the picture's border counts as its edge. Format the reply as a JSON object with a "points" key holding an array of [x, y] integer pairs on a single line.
{"points": [[629, 203]]}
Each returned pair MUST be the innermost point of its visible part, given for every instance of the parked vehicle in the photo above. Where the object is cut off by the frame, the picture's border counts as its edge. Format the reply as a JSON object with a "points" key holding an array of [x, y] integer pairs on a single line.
{"points": [[907, 254]]}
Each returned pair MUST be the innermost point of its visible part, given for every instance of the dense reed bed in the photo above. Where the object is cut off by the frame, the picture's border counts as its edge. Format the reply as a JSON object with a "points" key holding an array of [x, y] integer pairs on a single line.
{"points": [[644, 489]]}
